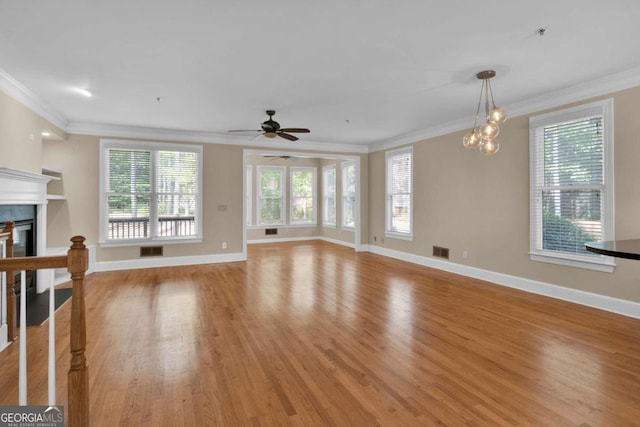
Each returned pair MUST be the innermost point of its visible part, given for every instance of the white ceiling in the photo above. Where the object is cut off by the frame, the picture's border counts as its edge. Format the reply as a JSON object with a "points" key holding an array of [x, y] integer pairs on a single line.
{"points": [[354, 72]]}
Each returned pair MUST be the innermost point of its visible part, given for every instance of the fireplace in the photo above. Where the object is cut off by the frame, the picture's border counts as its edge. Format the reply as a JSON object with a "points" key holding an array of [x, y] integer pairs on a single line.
{"points": [[23, 199], [24, 239]]}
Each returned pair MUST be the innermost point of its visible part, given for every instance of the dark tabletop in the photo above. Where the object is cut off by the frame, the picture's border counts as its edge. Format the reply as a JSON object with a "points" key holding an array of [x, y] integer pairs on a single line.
{"points": [[617, 248]]}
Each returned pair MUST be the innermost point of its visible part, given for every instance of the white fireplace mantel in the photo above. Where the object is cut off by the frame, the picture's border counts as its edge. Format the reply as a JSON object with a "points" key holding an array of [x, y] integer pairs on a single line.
{"points": [[22, 188]]}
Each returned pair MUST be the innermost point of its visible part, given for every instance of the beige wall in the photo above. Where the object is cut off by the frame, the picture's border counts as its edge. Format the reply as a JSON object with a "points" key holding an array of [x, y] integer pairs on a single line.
{"points": [[466, 201], [21, 136], [463, 200], [78, 159]]}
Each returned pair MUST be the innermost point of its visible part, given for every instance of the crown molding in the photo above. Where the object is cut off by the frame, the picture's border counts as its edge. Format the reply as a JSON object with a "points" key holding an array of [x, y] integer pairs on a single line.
{"points": [[20, 93], [579, 92], [118, 131], [575, 93]]}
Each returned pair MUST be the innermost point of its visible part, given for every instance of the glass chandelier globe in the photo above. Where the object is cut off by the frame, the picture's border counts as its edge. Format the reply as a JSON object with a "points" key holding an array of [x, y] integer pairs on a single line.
{"points": [[472, 139], [489, 147], [497, 115], [489, 130]]}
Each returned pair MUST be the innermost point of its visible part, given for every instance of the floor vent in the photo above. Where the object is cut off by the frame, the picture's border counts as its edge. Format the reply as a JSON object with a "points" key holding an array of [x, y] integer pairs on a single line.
{"points": [[151, 251], [441, 252], [270, 231]]}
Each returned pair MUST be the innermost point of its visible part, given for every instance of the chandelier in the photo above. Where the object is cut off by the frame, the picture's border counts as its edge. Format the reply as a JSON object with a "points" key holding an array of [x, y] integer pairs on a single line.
{"points": [[484, 137]]}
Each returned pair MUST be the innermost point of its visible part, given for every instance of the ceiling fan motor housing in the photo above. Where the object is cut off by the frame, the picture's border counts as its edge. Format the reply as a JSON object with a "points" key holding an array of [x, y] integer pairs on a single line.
{"points": [[270, 125]]}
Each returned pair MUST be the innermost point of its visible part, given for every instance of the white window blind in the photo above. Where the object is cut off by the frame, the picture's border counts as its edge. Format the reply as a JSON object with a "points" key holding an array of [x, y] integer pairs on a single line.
{"points": [[270, 195], [176, 193], [399, 177], [303, 184], [329, 195], [348, 194], [128, 194], [571, 180], [150, 192]]}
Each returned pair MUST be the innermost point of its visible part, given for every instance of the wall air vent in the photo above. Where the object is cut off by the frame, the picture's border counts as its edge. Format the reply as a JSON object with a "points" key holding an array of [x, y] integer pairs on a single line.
{"points": [[151, 251], [441, 252], [270, 231]]}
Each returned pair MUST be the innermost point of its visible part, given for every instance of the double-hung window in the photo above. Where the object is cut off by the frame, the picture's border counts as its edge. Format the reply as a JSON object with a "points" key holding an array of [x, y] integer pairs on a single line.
{"points": [[348, 194], [270, 201], [150, 191], [303, 195], [399, 187], [572, 184], [329, 195]]}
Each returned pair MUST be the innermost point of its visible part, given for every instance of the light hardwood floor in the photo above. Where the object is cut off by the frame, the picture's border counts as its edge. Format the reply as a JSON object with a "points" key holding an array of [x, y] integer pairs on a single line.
{"points": [[315, 334]]}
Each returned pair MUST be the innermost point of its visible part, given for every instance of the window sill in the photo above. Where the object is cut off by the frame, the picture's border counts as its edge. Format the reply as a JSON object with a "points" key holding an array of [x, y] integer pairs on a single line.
{"points": [[147, 242], [399, 236], [329, 226], [600, 263]]}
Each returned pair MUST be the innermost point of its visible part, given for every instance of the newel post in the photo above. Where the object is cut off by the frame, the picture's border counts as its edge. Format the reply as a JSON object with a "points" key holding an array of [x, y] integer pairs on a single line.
{"points": [[12, 319], [78, 378]]}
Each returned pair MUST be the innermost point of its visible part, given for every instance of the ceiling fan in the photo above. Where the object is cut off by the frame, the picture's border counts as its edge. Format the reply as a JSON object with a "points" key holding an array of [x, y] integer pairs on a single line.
{"points": [[271, 129], [292, 158]]}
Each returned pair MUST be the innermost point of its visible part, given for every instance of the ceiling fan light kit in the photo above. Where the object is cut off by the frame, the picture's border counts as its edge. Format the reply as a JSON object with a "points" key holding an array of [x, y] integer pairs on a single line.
{"points": [[271, 129], [483, 137]]}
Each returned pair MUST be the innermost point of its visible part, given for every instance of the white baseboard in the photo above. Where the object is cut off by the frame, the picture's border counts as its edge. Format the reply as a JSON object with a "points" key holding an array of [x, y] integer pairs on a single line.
{"points": [[283, 239], [337, 242], [3, 337], [602, 302], [302, 239], [130, 264]]}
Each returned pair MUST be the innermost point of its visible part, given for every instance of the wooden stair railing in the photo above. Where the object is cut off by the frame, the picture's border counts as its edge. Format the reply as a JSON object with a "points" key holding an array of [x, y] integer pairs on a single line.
{"points": [[76, 262]]}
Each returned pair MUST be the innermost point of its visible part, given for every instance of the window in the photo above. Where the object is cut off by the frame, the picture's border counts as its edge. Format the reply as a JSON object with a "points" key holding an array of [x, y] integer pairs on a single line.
{"points": [[329, 195], [348, 194], [399, 185], [271, 195], [249, 194], [572, 184], [303, 195], [150, 191]]}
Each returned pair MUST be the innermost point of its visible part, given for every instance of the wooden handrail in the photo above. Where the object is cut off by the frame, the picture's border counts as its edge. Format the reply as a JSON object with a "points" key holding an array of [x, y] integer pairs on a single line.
{"points": [[33, 263], [76, 261]]}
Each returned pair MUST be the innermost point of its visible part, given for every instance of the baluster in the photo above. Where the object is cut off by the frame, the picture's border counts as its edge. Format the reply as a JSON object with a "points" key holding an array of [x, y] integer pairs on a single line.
{"points": [[52, 346], [3, 293], [10, 283], [22, 358]]}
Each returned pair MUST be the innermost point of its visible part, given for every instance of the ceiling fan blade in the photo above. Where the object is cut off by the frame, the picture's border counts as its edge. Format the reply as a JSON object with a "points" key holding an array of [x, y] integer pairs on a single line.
{"points": [[295, 130], [245, 130], [287, 136]]}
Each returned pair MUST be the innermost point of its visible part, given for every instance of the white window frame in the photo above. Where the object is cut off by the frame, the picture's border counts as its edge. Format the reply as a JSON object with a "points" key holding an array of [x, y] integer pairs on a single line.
{"points": [[389, 232], [536, 157], [283, 194], [314, 195], [344, 197], [153, 147], [325, 197], [249, 194]]}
